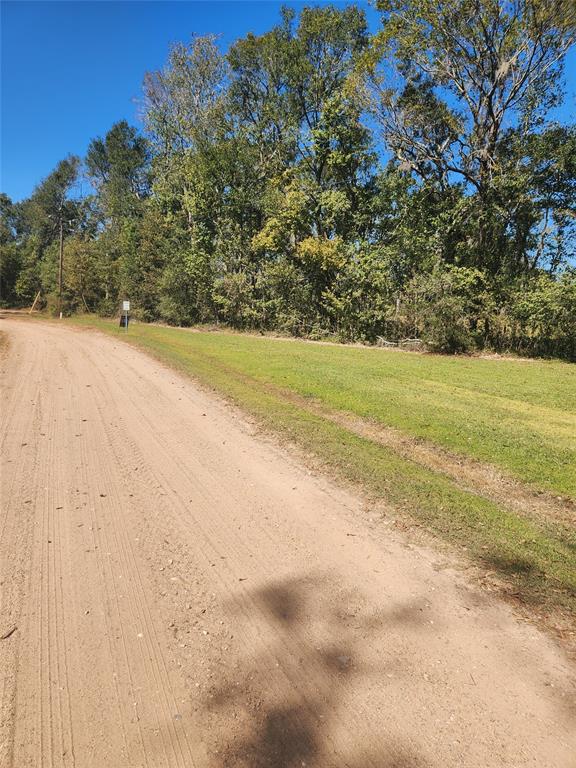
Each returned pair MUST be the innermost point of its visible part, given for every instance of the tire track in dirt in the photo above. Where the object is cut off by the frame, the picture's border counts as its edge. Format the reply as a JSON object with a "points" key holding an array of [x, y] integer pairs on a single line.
{"points": [[47, 719], [18, 466], [192, 596]]}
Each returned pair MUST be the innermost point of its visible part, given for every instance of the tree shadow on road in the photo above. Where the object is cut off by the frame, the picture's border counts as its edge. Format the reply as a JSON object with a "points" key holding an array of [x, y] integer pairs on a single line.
{"points": [[293, 701]]}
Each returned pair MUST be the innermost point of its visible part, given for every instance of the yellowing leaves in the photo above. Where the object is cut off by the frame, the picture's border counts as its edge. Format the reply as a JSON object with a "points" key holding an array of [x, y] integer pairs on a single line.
{"points": [[321, 254]]}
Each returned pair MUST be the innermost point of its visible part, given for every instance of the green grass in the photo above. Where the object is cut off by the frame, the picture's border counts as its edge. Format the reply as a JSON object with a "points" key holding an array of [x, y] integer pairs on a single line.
{"points": [[518, 415]]}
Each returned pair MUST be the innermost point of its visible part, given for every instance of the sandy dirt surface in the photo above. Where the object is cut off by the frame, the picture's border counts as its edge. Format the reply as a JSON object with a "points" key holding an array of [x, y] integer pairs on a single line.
{"points": [[178, 590]]}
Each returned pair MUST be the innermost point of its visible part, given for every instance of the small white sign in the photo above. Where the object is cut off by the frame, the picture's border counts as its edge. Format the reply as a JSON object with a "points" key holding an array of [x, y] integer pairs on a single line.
{"points": [[125, 306]]}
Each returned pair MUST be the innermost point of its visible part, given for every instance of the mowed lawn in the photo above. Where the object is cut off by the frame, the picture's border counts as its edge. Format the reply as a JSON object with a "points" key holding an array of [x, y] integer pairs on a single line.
{"points": [[520, 416], [517, 415]]}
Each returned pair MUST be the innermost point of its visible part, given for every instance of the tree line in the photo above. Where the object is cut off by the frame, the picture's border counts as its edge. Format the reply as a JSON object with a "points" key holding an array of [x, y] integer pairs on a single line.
{"points": [[324, 181]]}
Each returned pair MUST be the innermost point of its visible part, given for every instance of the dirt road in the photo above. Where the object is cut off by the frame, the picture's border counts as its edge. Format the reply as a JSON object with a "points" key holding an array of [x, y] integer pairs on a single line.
{"points": [[185, 593]]}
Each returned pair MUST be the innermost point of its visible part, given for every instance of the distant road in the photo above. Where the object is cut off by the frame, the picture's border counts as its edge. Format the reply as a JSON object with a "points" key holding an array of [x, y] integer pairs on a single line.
{"points": [[178, 591]]}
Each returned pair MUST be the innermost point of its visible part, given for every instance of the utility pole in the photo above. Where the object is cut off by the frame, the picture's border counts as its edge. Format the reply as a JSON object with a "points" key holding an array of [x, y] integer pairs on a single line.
{"points": [[61, 261]]}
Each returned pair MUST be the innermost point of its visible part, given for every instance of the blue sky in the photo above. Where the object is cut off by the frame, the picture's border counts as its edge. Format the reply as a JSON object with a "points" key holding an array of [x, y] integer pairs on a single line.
{"points": [[69, 70]]}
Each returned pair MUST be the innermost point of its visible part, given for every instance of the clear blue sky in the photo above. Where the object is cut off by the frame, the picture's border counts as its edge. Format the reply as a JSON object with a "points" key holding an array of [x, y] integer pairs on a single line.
{"points": [[72, 69]]}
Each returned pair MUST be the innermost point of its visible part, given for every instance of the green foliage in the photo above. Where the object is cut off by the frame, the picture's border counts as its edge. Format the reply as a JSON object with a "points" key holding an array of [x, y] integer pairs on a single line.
{"points": [[286, 298], [359, 300], [82, 274], [476, 79], [186, 285], [49, 205], [10, 267], [544, 316], [28, 282], [117, 166], [450, 304], [10, 254]]}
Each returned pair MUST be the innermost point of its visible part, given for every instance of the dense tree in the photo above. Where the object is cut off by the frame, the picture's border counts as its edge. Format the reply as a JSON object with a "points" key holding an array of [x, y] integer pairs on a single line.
{"points": [[41, 219], [475, 80], [41, 214], [118, 168], [318, 180], [10, 255]]}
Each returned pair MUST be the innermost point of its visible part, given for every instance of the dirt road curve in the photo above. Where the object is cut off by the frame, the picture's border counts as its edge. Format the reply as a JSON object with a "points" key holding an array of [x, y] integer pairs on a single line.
{"points": [[185, 593]]}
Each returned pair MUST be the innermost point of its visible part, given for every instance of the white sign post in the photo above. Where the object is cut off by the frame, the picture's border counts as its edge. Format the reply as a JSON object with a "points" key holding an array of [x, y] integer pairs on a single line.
{"points": [[126, 309]]}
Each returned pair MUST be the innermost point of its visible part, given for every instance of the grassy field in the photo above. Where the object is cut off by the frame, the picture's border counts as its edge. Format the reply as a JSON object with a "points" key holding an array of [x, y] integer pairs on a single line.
{"points": [[517, 415]]}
